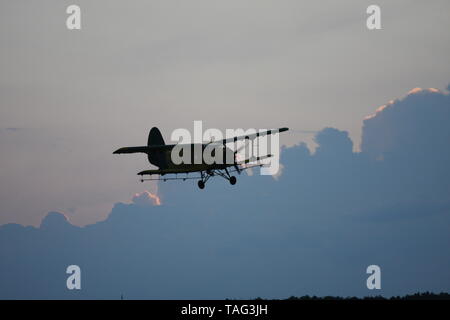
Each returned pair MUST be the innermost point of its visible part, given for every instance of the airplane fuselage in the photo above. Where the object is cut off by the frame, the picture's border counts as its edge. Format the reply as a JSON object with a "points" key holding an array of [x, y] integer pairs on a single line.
{"points": [[195, 160]]}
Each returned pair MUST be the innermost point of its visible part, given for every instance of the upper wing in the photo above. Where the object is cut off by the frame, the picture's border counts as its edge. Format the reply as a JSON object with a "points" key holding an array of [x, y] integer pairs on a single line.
{"points": [[254, 135], [147, 149], [142, 149]]}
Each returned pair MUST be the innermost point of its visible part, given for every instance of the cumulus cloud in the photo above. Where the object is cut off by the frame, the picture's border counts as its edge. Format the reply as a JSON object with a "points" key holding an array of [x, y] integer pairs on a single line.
{"points": [[146, 198], [54, 220], [414, 125], [332, 142]]}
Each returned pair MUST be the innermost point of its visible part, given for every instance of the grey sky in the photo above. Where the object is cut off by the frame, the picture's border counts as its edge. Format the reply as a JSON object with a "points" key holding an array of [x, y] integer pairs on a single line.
{"points": [[77, 95]]}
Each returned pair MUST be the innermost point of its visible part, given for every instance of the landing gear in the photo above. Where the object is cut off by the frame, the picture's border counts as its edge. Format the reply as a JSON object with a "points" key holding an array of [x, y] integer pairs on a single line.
{"points": [[205, 175], [226, 175]]}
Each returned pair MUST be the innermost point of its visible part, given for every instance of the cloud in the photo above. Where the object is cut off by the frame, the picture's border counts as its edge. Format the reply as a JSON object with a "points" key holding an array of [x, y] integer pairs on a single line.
{"points": [[332, 142], [146, 198], [54, 220], [10, 130], [414, 125]]}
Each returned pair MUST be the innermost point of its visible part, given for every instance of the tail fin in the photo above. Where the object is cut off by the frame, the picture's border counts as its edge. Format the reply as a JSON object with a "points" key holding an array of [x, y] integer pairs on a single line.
{"points": [[155, 137]]}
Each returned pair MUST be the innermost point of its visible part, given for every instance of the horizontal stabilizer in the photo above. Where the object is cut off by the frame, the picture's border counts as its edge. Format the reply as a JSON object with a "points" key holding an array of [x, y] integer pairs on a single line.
{"points": [[142, 149]]}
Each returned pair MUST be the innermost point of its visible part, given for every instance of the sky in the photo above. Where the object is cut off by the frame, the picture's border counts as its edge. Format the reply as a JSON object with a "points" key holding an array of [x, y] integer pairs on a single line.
{"points": [[69, 98], [76, 96], [312, 231]]}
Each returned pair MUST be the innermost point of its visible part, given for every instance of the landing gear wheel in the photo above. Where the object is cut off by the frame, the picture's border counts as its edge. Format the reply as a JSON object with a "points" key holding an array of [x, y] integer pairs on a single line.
{"points": [[233, 180], [201, 184]]}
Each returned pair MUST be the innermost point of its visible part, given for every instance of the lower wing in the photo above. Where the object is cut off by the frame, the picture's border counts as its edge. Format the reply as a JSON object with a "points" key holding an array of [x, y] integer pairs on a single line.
{"points": [[167, 171]]}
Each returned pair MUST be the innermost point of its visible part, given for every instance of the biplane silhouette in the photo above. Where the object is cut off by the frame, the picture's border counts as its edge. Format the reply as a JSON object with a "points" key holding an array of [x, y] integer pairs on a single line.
{"points": [[160, 155]]}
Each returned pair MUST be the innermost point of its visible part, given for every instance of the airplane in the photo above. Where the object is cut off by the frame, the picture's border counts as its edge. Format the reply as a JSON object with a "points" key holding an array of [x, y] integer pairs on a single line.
{"points": [[159, 154]]}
